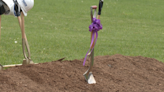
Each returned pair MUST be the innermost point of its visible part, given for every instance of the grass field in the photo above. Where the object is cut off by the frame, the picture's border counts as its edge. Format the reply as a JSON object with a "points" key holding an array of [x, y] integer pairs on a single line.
{"points": [[59, 28]]}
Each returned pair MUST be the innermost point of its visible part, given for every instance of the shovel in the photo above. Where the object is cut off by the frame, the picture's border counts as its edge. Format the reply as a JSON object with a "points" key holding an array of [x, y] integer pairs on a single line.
{"points": [[88, 74], [25, 45]]}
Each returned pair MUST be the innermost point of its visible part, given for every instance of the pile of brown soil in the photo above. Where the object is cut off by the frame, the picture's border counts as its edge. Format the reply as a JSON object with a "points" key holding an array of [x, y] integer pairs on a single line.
{"points": [[115, 73]]}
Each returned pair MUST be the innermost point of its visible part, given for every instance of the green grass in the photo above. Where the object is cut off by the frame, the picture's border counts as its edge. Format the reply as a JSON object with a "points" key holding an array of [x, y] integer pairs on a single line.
{"points": [[59, 28]]}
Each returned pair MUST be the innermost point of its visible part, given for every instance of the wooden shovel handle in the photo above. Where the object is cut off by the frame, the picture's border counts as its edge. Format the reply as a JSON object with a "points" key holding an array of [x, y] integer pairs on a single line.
{"points": [[23, 29], [94, 40], [98, 17]]}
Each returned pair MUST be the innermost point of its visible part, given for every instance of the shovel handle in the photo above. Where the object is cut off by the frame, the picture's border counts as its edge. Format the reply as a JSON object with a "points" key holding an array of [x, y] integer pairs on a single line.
{"points": [[25, 42], [94, 40], [94, 7], [23, 29], [98, 17], [100, 8], [24, 39]]}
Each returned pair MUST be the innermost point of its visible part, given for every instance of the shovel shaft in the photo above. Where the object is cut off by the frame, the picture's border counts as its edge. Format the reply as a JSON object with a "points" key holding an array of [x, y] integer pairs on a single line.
{"points": [[94, 39], [23, 33], [92, 59], [24, 39], [25, 46], [23, 29], [98, 17], [20, 24], [92, 53], [93, 16]]}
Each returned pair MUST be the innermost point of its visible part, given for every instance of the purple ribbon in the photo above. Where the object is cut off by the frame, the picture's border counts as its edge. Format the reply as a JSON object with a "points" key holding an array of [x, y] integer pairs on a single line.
{"points": [[94, 28]]}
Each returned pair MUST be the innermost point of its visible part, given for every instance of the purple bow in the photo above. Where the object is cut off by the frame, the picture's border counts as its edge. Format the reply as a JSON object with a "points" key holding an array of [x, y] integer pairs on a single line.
{"points": [[95, 27]]}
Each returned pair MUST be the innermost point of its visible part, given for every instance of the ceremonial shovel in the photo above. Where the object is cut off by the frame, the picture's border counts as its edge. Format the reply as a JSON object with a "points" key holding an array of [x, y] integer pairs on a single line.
{"points": [[88, 74], [25, 45]]}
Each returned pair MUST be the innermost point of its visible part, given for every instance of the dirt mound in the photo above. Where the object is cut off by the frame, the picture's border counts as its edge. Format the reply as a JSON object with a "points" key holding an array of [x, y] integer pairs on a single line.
{"points": [[115, 73]]}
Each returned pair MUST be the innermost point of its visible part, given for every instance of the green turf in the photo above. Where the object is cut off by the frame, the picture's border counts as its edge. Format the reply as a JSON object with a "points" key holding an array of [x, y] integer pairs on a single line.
{"points": [[59, 28]]}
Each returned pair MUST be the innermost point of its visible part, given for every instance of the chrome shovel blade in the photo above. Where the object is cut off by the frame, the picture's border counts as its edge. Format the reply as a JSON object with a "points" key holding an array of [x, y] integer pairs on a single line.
{"points": [[89, 78]]}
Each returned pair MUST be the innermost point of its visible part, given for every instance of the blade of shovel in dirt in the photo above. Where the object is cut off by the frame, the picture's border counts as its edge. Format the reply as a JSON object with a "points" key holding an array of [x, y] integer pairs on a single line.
{"points": [[88, 75]]}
